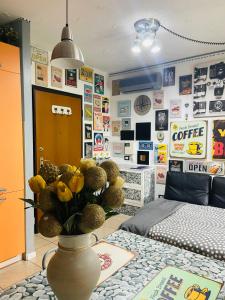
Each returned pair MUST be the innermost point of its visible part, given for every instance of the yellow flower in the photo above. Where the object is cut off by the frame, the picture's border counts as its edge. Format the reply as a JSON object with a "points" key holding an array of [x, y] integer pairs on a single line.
{"points": [[37, 183], [119, 182], [63, 192], [76, 183], [86, 164], [75, 170]]}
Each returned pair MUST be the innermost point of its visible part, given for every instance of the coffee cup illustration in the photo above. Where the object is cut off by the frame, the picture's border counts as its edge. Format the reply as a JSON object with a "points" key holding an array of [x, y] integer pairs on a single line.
{"points": [[196, 293]]}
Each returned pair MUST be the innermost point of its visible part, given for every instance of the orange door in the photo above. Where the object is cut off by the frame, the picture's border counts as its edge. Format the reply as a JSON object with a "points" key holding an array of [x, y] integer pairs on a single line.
{"points": [[58, 137], [12, 232]]}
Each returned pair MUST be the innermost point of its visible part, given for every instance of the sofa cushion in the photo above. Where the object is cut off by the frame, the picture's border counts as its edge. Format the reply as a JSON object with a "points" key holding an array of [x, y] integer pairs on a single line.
{"points": [[217, 197], [188, 187]]}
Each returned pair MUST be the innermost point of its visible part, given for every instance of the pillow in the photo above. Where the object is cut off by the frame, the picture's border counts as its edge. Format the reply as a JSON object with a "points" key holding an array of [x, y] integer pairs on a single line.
{"points": [[217, 197], [188, 187]]}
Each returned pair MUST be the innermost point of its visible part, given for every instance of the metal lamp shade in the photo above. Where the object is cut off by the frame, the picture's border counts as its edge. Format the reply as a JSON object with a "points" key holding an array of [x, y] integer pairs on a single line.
{"points": [[66, 55]]}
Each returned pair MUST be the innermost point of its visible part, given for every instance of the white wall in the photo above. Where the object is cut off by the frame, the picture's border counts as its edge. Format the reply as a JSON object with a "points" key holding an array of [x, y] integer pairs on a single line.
{"points": [[78, 91], [172, 92]]}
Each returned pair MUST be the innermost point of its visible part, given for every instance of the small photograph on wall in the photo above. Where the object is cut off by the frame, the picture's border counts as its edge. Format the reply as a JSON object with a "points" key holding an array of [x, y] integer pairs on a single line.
{"points": [[218, 139], [99, 84], [158, 99], [88, 150], [116, 126], [145, 145], [88, 93], [56, 77], [175, 108], [185, 85], [161, 120], [106, 124], [88, 112], [118, 149], [124, 108], [199, 108], [160, 154], [86, 74], [143, 158], [126, 124], [169, 76], [98, 121], [71, 77], [41, 74], [97, 103], [176, 165], [161, 172], [217, 106], [88, 131], [105, 105]]}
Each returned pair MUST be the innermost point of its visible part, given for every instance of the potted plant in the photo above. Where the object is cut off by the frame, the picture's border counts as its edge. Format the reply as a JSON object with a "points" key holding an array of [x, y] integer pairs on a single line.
{"points": [[75, 202]]}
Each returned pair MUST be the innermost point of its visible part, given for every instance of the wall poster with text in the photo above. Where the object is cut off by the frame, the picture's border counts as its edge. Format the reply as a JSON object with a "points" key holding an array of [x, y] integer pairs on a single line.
{"points": [[218, 142], [86, 74], [188, 139], [99, 84], [88, 93]]}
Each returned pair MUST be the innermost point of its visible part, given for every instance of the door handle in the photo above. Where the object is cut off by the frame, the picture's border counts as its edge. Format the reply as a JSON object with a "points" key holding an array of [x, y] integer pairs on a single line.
{"points": [[2, 198]]}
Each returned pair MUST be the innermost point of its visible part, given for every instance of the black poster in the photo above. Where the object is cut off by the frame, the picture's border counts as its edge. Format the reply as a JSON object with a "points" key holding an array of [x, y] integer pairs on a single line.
{"points": [[176, 165], [143, 131], [143, 157], [88, 131], [169, 76], [161, 120]]}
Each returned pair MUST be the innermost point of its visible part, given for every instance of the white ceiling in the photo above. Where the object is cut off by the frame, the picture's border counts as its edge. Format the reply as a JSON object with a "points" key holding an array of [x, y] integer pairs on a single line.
{"points": [[104, 28]]}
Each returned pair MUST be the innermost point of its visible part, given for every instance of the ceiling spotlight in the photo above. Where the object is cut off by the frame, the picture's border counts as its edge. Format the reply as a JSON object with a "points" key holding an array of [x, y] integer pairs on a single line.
{"points": [[148, 40], [136, 46], [156, 47]]}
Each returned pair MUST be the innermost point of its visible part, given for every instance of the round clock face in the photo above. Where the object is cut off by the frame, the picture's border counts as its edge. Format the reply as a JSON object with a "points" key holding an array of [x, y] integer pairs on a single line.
{"points": [[142, 105]]}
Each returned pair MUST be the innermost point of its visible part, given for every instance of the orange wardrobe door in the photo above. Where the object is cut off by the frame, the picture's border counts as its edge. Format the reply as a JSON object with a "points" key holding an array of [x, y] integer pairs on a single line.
{"points": [[12, 231], [9, 58]]}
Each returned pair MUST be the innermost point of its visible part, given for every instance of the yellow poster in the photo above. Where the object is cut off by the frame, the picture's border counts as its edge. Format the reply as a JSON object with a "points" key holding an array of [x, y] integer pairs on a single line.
{"points": [[86, 74]]}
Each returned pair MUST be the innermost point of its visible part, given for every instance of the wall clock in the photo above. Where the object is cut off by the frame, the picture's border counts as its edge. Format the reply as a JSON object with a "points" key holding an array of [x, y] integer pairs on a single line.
{"points": [[142, 105]]}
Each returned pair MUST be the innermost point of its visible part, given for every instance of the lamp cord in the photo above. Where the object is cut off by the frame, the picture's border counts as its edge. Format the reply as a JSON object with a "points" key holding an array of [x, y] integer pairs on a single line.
{"points": [[191, 39], [67, 12]]}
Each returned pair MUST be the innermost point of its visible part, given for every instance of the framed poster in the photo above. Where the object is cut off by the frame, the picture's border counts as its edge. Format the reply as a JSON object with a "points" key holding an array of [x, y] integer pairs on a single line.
{"points": [[88, 93], [106, 124], [128, 148], [169, 76], [116, 126], [124, 108], [98, 121], [158, 99], [205, 167], [126, 124], [71, 77], [99, 84], [88, 112], [41, 74], [105, 105], [175, 108], [56, 77], [97, 100], [143, 158], [188, 139], [118, 149], [39, 56], [88, 131], [86, 74], [161, 172], [185, 85], [176, 165], [145, 145], [160, 154], [143, 131], [161, 120], [218, 139], [88, 150], [98, 142]]}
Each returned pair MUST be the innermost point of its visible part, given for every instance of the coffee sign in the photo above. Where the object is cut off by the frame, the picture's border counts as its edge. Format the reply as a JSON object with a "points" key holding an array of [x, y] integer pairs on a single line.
{"points": [[212, 168], [188, 139]]}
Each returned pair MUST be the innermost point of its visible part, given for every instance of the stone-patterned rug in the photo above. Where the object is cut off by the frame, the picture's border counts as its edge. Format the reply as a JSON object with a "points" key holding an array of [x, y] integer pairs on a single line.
{"points": [[152, 257]]}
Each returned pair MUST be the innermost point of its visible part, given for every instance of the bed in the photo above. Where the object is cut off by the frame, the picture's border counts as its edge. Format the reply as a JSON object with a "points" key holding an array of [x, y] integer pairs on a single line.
{"points": [[191, 215]]}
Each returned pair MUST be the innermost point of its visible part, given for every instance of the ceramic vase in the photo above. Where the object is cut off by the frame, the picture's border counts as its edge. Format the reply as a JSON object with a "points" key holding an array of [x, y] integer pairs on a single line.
{"points": [[74, 270]]}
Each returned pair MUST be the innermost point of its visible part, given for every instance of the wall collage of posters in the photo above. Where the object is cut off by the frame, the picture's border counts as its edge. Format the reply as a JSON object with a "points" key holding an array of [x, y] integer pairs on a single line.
{"points": [[95, 108], [187, 149]]}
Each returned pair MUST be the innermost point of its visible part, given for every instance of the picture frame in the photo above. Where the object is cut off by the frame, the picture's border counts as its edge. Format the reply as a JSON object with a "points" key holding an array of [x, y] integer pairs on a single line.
{"points": [[41, 74], [56, 77], [161, 120], [99, 84], [116, 127], [98, 121], [143, 157], [106, 124], [185, 84], [88, 93], [88, 148], [97, 103], [176, 165], [39, 56], [145, 145], [88, 131], [160, 154], [161, 172], [169, 76], [88, 112], [175, 108], [71, 77], [105, 105], [158, 99], [86, 74], [126, 123], [124, 108]]}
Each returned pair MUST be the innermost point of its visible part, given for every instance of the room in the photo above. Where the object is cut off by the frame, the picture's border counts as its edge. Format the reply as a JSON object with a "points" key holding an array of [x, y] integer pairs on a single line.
{"points": [[112, 150]]}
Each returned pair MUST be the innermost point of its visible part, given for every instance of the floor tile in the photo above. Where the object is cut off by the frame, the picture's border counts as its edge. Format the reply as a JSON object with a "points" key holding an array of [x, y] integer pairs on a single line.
{"points": [[116, 221], [17, 272], [40, 242], [40, 253]]}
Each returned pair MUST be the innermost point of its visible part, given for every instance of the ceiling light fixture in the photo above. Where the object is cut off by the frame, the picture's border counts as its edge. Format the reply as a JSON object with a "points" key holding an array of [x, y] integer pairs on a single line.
{"points": [[146, 30], [136, 48], [66, 54]]}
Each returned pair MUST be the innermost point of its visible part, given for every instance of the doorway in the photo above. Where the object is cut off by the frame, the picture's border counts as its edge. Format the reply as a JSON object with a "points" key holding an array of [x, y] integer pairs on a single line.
{"points": [[57, 129]]}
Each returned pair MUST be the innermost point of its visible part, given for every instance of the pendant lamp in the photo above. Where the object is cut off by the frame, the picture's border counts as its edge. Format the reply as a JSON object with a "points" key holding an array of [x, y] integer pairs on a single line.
{"points": [[66, 54]]}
